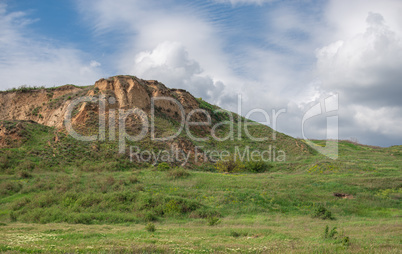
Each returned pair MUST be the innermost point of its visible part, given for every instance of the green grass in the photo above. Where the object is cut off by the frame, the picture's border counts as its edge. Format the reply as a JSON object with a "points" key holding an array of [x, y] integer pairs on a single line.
{"points": [[63, 195], [274, 209]]}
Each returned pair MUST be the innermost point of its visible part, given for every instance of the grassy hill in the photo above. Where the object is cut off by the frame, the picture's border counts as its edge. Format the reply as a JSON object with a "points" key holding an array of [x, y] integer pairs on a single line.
{"points": [[59, 194]]}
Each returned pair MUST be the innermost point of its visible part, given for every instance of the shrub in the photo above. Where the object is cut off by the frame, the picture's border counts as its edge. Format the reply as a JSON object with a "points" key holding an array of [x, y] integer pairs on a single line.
{"points": [[229, 166], [330, 234], [150, 227], [172, 207], [178, 173], [257, 166], [323, 213], [150, 216], [212, 221], [238, 234], [163, 166], [346, 241], [326, 230]]}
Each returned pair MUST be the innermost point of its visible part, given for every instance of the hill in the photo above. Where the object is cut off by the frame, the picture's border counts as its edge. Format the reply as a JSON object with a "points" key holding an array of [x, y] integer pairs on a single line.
{"points": [[60, 193], [125, 112]]}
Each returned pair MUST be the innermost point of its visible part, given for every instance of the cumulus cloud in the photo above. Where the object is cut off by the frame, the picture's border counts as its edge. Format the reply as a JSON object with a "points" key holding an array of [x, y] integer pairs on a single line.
{"points": [[204, 47], [365, 70], [170, 62], [177, 46], [25, 60]]}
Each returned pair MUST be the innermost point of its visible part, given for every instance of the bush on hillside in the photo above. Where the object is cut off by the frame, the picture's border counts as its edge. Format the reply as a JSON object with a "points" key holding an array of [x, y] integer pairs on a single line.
{"points": [[229, 166], [163, 166], [323, 213], [257, 166], [178, 173]]}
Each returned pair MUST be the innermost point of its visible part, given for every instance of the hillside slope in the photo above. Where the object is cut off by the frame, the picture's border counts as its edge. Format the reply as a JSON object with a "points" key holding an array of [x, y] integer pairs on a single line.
{"points": [[63, 194], [162, 113]]}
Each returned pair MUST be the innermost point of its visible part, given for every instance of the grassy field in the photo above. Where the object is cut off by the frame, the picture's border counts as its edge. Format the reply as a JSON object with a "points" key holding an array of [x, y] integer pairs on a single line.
{"points": [[71, 196], [202, 211]]}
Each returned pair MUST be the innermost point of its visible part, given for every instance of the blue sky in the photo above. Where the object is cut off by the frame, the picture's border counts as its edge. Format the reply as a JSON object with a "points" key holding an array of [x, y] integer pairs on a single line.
{"points": [[277, 54]]}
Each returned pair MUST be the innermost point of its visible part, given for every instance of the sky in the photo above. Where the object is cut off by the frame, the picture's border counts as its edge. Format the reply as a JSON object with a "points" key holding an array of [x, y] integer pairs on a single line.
{"points": [[278, 56]]}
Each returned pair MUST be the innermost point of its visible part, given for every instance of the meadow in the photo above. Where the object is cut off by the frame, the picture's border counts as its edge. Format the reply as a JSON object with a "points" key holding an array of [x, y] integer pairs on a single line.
{"points": [[60, 195], [207, 212]]}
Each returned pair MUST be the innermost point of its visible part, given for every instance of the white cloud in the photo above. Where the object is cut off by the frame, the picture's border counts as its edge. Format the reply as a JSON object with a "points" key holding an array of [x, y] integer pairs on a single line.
{"points": [[170, 62], [347, 18], [364, 69], [94, 64], [153, 33], [27, 60], [182, 46]]}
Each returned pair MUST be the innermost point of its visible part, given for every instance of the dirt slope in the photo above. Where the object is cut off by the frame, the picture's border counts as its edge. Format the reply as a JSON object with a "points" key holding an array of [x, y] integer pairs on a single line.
{"points": [[49, 106]]}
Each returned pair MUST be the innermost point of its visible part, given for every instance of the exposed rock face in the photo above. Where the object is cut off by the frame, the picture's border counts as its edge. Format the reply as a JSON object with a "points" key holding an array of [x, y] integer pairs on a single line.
{"points": [[131, 92], [49, 106], [41, 106]]}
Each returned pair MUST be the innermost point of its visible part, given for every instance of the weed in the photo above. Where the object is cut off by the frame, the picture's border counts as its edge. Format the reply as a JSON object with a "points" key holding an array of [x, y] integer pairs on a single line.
{"points": [[322, 212], [345, 241], [330, 234], [212, 221], [326, 231], [178, 173], [150, 227], [36, 110], [257, 166], [238, 234], [163, 166]]}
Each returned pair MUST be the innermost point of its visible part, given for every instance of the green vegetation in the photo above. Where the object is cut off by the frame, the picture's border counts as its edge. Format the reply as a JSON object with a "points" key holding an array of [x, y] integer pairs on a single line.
{"points": [[323, 213], [25, 89], [212, 220], [150, 227], [58, 194]]}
